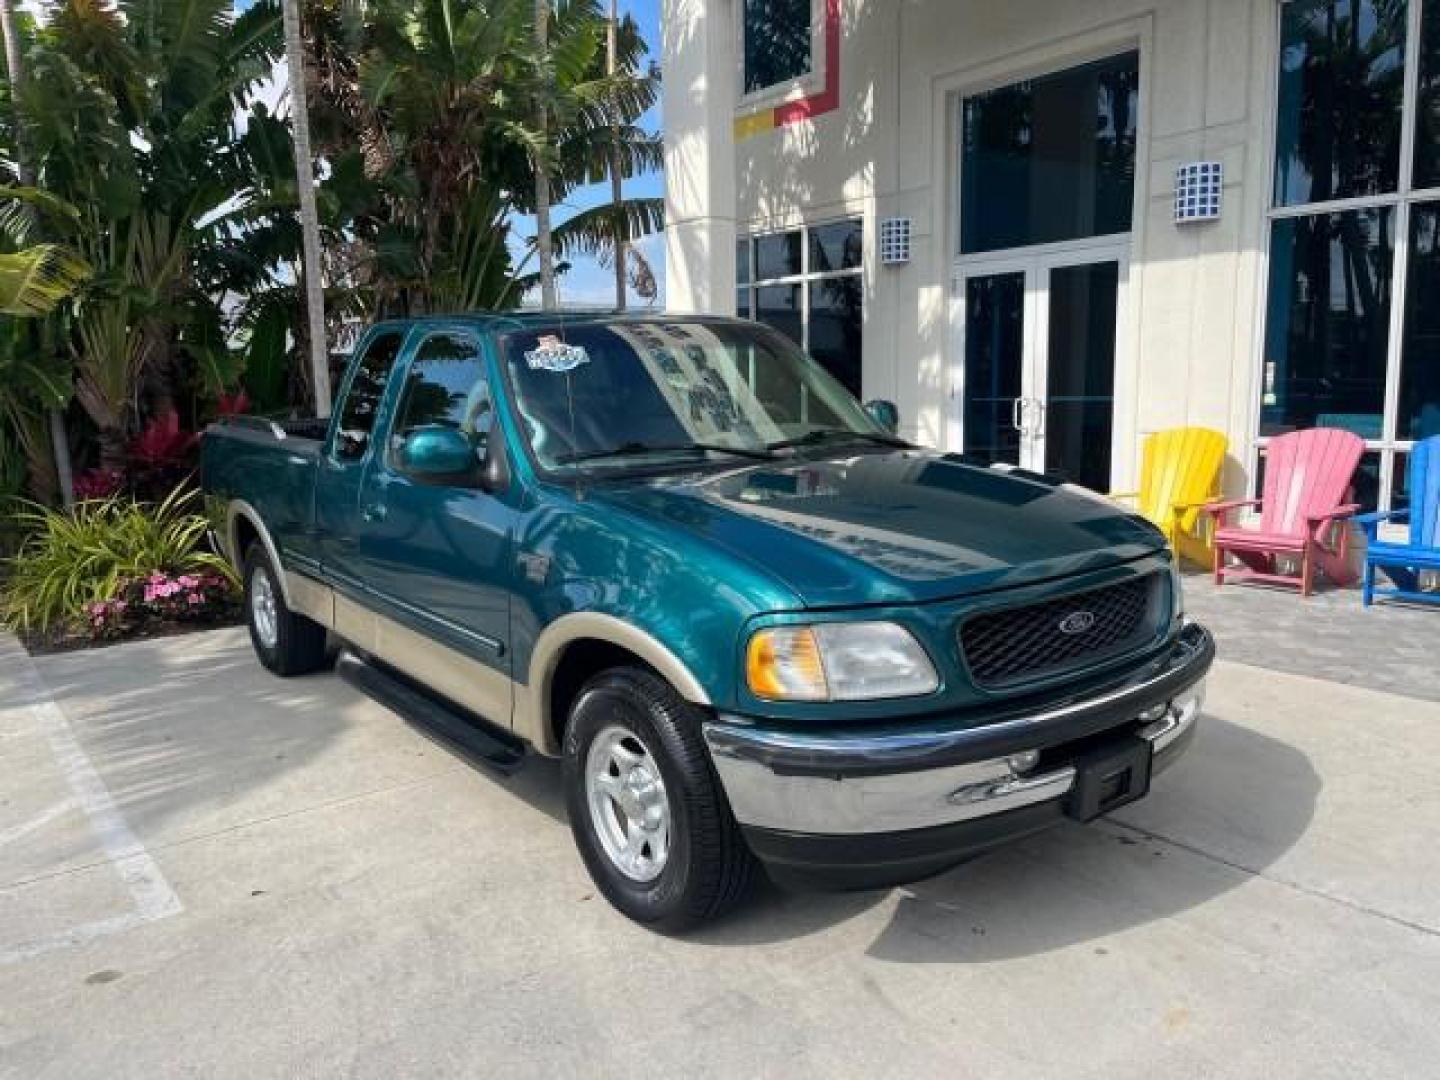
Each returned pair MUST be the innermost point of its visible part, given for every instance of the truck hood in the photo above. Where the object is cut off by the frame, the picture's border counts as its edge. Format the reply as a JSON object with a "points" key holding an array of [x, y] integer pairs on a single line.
{"points": [[896, 527]]}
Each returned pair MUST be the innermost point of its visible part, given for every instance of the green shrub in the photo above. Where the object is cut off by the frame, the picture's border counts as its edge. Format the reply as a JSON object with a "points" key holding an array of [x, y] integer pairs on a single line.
{"points": [[71, 560]]}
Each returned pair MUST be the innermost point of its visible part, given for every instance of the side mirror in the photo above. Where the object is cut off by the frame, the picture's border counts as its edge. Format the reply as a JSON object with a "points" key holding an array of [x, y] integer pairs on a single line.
{"points": [[885, 414], [440, 455]]}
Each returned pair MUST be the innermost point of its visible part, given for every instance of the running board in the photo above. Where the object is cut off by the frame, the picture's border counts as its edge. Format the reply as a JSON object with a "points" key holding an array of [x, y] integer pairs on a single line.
{"points": [[461, 729]]}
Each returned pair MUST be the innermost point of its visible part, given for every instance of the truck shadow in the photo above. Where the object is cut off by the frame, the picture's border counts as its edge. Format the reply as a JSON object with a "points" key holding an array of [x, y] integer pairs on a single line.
{"points": [[1234, 805]]}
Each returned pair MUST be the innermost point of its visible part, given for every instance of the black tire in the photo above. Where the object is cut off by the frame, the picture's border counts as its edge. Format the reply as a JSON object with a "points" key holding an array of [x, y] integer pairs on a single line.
{"points": [[299, 643], [709, 868]]}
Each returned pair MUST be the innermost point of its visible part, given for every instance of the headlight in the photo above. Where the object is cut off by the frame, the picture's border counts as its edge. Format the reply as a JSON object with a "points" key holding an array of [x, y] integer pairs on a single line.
{"points": [[863, 661]]}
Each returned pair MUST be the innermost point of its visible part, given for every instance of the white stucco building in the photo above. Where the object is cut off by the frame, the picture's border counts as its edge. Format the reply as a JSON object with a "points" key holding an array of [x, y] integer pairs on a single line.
{"points": [[1052, 310]]}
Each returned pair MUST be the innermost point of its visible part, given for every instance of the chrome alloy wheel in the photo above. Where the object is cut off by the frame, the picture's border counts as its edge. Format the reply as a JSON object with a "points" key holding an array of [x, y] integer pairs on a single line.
{"points": [[628, 804], [263, 614]]}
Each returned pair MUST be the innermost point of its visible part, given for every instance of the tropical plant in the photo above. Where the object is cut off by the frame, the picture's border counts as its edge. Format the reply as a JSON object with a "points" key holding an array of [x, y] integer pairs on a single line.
{"points": [[35, 281], [74, 559], [138, 122]]}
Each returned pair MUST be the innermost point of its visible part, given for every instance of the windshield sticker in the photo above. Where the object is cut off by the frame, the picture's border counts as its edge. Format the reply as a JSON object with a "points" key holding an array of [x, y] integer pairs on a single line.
{"points": [[552, 354]]}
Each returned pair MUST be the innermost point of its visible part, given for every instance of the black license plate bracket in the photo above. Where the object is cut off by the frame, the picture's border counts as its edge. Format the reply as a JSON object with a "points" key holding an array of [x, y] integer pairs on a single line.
{"points": [[1110, 777]]}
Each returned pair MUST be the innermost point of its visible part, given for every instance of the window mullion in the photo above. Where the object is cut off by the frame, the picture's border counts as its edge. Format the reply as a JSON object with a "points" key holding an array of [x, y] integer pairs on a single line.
{"points": [[1393, 357], [1335, 206], [805, 287], [1410, 101], [1409, 125]]}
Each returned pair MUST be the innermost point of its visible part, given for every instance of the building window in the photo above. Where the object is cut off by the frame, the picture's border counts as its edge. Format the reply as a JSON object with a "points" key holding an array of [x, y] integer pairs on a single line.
{"points": [[808, 284], [778, 42], [1050, 159], [1355, 231]]}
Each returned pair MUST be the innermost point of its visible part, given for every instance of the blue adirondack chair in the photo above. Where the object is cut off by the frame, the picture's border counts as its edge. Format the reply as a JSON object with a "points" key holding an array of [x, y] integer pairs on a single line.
{"points": [[1402, 563]]}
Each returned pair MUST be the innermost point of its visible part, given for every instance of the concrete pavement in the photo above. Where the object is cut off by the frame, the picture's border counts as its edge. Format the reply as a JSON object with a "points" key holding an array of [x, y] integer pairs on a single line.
{"points": [[205, 871]]}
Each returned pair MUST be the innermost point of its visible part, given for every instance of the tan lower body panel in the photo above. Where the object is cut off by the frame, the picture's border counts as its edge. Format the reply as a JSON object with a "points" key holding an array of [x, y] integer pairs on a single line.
{"points": [[462, 679]]}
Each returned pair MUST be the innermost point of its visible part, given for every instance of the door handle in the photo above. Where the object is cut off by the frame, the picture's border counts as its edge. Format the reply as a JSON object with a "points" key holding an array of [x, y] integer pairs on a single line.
{"points": [[1039, 427], [374, 512], [1017, 410]]}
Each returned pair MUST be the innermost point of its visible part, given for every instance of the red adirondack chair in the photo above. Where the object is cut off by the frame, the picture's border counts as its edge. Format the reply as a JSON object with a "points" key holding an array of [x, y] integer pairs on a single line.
{"points": [[1308, 477]]}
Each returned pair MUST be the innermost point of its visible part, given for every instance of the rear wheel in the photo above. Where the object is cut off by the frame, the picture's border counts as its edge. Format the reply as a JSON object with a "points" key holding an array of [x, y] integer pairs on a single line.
{"points": [[648, 812], [286, 643]]}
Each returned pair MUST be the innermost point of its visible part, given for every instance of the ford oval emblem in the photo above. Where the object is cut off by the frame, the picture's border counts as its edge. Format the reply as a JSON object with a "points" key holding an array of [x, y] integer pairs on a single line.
{"points": [[1077, 622]]}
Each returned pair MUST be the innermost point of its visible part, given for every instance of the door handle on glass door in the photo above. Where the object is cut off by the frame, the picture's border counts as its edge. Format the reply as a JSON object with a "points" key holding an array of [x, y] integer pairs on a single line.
{"points": [[1017, 412]]}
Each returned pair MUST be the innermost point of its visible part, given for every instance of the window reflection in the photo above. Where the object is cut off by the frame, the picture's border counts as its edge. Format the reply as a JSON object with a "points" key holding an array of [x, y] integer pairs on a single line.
{"points": [[1325, 353], [1427, 135], [1342, 80], [362, 401], [1420, 357], [1052, 158], [1400, 483], [837, 246], [835, 328], [777, 42], [777, 255], [445, 387]]}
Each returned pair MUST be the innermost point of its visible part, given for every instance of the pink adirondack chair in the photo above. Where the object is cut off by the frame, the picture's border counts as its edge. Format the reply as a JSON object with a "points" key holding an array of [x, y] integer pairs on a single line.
{"points": [[1308, 477]]}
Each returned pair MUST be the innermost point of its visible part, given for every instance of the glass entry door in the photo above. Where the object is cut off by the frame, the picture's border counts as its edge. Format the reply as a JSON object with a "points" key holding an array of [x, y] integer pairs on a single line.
{"points": [[1037, 362]]}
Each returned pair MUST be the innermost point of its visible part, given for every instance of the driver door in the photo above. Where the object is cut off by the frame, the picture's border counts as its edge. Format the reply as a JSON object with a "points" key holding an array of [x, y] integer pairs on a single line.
{"points": [[436, 557]]}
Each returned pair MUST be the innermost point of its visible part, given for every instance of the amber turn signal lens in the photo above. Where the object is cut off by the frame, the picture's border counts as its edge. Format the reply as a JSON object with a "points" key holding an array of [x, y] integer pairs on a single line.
{"points": [[783, 664]]}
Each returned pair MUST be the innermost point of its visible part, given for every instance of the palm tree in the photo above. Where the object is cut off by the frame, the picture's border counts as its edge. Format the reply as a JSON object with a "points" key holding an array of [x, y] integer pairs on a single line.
{"points": [[543, 238], [424, 112], [617, 182], [309, 215], [14, 65]]}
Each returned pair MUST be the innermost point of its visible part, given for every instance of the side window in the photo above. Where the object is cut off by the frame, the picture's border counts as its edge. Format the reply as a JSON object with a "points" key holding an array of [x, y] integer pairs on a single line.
{"points": [[357, 414], [445, 387], [777, 42]]}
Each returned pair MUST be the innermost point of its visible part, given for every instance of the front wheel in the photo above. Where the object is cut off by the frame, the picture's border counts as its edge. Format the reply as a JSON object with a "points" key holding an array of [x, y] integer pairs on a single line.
{"points": [[648, 812]]}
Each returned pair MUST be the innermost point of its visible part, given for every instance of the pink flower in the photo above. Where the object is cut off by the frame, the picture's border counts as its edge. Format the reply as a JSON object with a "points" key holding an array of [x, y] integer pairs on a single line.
{"points": [[193, 599]]}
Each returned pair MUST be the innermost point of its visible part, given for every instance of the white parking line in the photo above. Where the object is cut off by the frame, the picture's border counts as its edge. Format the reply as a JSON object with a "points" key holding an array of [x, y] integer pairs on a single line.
{"points": [[154, 899]]}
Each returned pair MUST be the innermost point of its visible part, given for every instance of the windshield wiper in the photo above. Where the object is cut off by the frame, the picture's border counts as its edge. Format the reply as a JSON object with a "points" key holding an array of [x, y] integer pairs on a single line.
{"points": [[824, 435], [636, 449]]}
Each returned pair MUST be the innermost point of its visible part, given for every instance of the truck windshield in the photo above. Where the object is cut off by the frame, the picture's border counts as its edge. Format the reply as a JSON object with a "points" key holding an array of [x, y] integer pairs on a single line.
{"points": [[642, 394]]}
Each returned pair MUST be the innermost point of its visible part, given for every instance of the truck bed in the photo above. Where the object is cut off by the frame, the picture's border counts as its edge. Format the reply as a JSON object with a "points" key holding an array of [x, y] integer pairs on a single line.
{"points": [[309, 428], [270, 465]]}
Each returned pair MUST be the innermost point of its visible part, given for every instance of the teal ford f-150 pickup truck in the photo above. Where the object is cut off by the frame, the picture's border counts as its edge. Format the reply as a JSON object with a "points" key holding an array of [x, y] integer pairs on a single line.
{"points": [[757, 627]]}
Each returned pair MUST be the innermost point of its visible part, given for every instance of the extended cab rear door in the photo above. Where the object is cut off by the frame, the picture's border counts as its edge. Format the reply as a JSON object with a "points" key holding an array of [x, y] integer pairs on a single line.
{"points": [[349, 450]]}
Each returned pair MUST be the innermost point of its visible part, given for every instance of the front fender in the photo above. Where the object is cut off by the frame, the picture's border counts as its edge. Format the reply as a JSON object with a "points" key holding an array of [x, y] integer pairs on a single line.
{"points": [[532, 704], [654, 589]]}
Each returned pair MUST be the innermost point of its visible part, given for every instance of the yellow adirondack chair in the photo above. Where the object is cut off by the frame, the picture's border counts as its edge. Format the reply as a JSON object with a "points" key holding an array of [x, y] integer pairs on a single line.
{"points": [[1179, 474]]}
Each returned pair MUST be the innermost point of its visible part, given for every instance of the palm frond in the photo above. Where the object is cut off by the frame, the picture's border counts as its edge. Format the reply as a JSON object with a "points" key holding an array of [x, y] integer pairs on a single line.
{"points": [[593, 231], [35, 281]]}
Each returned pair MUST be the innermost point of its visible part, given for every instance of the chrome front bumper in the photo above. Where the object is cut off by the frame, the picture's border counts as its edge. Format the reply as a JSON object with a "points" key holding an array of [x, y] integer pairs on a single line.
{"points": [[859, 782]]}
